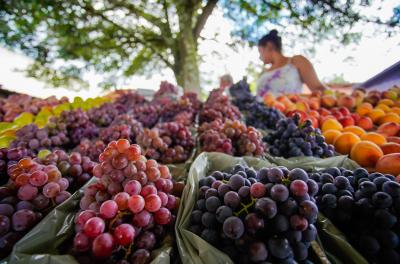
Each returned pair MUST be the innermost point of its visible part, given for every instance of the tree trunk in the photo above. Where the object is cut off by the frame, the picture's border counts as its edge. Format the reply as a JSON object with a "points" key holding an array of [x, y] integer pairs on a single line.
{"points": [[186, 68], [187, 71]]}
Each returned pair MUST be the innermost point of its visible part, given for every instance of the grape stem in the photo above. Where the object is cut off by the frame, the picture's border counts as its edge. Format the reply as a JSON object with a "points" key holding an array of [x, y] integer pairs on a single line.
{"points": [[118, 216], [128, 251], [245, 207]]}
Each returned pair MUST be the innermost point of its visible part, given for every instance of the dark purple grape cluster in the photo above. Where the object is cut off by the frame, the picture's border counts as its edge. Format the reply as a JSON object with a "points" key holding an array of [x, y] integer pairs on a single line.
{"points": [[366, 207], [36, 139], [292, 139], [105, 114], [33, 189], [256, 113], [10, 156], [257, 216], [91, 148], [128, 210], [170, 142]]}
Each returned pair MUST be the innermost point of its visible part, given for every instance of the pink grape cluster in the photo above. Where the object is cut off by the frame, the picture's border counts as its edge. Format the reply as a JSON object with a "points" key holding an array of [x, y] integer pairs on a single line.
{"points": [[128, 208], [231, 137], [33, 189], [218, 106], [170, 142]]}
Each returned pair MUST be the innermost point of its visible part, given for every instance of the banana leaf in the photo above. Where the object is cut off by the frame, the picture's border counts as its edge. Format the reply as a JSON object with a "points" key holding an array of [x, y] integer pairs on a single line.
{"points": [[336, 244], [313, 163], [42, 244]]}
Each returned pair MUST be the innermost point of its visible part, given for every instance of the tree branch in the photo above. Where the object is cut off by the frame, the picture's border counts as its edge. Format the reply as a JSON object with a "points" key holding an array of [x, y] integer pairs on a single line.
{"points": [[202, 19], [140, 13], [331, 4]]}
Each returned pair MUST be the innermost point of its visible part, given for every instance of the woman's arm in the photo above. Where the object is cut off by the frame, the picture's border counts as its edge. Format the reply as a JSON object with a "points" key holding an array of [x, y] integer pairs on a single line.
{"points": [[307, 73]]}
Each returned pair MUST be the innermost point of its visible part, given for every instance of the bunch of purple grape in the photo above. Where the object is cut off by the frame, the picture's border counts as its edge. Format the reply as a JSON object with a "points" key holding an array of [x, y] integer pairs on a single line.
{"points": [[170, 142], [36, 139], [292, 139], [128, 210], [105, 114], [256, 216], [77, 125], [33, 189], [147, 114], [366, 207]]}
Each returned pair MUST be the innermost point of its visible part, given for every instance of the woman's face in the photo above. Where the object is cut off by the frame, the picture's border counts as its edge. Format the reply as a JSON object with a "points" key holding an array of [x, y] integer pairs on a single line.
{"points": [[266, 53]]}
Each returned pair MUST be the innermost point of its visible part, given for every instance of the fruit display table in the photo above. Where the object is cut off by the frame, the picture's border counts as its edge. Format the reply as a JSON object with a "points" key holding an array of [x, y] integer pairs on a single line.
{"points": [[125, 179]]}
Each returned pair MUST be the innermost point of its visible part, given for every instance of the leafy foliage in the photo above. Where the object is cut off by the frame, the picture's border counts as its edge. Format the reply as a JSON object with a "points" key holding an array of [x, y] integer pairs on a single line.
{"points": [[118, 38]]}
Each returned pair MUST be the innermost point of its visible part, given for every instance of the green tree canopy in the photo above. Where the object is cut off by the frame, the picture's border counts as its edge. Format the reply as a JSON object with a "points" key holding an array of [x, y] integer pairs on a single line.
{"points": [[120, 38]]}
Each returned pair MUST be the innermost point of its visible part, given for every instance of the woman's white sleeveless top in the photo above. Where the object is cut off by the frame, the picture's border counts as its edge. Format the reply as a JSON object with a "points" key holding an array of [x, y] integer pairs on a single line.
{"points": [[283, 80]]}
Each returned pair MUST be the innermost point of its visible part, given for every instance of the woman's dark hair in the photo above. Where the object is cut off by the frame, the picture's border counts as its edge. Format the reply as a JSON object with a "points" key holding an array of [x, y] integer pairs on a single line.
{"points": [[273, 38]]}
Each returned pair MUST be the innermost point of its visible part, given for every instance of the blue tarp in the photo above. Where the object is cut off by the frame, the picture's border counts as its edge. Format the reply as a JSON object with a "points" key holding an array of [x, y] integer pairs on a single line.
{"points": [[384, 80]]}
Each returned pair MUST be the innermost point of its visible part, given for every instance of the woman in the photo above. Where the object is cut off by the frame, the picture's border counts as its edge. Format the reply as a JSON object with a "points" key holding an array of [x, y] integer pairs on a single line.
{"points": [[286, 74]]}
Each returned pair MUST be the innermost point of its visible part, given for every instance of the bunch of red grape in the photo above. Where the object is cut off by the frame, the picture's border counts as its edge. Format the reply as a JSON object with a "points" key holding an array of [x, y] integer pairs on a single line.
{"points": [[170, 142], [35, 139], [91, 148], [231, 137], [128, 119], [128, 209], [115, 132], [365, 207], [194, 100], [105, 114], [180, 111], [257, 216], [15, 104], [218, 106], [10, 156], [129, 98], [166, 93], [76, 168], [148, 114], [33, 189], [77, 125]]}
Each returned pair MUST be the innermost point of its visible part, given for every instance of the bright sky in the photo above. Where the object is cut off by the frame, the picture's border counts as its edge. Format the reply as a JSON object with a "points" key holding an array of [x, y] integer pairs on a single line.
{"points": [[357, 62]]}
